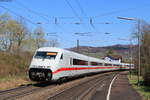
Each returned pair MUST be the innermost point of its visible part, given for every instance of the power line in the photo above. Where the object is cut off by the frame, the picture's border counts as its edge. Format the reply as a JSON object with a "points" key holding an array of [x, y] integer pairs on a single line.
{"points": [[78, 23], [105, 14], [18, 15], [32, 11], [32, 21], [85, 15], [114, 12], [73, 10], [41, 15], [81, 8], [46, 17], [76, 14]]}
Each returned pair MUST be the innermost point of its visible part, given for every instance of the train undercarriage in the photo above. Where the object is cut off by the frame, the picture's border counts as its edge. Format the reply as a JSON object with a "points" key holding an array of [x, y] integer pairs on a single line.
{"points": [[38, 74]]}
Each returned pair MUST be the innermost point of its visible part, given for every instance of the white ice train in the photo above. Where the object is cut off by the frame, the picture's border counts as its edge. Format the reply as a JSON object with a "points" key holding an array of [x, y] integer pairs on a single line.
{"points": [[53, 63]]}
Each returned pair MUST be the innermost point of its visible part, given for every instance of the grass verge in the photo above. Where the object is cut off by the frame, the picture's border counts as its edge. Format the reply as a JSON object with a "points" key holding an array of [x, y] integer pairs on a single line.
{"points": [[144, 91], [7, 82]]}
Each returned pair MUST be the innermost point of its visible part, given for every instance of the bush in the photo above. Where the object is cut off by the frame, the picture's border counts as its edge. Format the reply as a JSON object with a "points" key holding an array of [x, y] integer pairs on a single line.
{"points": [[145, 53], [147, 79], [12, 64]]}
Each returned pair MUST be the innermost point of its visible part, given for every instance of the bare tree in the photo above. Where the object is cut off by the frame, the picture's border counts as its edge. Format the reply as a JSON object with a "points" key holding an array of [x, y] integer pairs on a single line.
{"points": [[4, 43], [143, 33], [21, 33], [145, 55], [39, 37], [3, 20], [52, 43]]}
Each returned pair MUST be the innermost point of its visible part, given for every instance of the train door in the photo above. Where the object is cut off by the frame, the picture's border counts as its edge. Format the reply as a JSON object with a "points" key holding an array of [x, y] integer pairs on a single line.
{"points": [[74, 65], [70, 66], [65, 64], [88, 65]]}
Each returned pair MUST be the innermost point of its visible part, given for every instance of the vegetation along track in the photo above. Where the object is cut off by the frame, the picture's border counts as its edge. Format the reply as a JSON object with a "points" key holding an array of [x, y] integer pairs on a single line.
{"points": [[79, 91]]}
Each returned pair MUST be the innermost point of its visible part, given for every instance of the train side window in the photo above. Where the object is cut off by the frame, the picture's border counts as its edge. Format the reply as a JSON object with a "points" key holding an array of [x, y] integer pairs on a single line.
{"points": [[79, 62], [107, 64], [94, 63], [100, 64], [115, 65], [61, 56]]}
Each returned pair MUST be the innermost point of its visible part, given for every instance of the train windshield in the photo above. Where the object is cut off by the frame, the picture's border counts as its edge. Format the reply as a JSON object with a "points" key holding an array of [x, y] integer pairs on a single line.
{"points": [[45, 55]]}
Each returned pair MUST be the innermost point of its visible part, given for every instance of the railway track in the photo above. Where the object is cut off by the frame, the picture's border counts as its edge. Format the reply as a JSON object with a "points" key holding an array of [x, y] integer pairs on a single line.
{"points": [[86, 92], [14, 93], [80, 91]]}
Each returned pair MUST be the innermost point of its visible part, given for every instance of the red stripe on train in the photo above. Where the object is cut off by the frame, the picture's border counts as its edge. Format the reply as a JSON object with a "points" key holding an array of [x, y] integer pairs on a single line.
{"points": [[80, 68]]}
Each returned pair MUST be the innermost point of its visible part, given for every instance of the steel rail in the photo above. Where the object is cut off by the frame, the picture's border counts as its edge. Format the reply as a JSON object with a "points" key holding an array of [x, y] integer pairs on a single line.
{"points": [[66, 89]]}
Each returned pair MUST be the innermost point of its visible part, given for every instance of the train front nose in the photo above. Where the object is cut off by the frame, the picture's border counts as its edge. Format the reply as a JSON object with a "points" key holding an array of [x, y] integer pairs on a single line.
{"points": [[39, 74]]}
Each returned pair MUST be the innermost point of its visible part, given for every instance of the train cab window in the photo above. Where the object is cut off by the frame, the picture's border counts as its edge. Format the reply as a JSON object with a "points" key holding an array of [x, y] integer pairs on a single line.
{"points": [[79, 62], [61, 56], [45, 55]]}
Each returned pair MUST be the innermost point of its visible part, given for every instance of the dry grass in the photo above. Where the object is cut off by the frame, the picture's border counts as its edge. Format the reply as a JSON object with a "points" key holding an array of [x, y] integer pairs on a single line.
{"points": [[13, 81], [13, 69], [12, 64], [13, 84]]}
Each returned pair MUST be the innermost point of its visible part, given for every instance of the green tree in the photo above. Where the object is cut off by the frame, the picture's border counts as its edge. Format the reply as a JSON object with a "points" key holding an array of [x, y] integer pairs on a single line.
{"points": [[110, 52]]}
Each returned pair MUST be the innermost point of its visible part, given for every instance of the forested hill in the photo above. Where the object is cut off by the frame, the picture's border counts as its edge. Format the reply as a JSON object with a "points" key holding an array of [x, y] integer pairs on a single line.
{"points": [[100, 52]]}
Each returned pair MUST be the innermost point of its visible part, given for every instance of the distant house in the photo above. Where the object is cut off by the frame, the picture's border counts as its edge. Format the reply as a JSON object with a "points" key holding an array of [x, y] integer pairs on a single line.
{"points": [[114, 58]]}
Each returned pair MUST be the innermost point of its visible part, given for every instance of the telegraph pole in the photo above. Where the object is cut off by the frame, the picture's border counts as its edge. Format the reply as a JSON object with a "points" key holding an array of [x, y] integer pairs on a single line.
{"points": [[139, 44], [130, 52], [139, 53]]}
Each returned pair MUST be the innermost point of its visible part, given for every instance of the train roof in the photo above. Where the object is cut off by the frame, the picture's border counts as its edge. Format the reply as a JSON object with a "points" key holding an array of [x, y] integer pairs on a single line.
{"points": [[54, 49]]}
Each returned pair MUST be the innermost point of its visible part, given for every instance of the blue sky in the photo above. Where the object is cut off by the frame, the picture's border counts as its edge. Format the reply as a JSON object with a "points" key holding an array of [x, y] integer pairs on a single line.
{"points": [[101, 11]]}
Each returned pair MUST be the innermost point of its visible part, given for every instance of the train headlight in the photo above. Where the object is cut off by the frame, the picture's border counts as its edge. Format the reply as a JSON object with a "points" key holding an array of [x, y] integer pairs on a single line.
{"points": [[34, 66]]}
